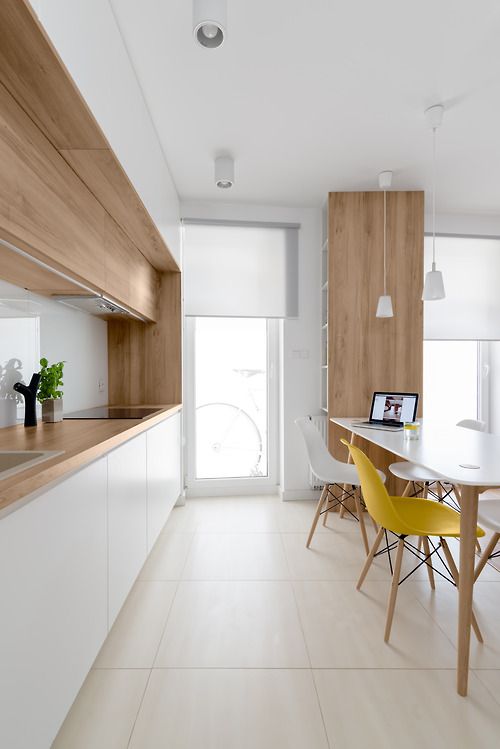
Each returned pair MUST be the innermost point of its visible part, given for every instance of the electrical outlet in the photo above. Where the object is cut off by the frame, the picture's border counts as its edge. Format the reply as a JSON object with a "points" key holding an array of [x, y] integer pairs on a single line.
{"points": [[101, 385]]}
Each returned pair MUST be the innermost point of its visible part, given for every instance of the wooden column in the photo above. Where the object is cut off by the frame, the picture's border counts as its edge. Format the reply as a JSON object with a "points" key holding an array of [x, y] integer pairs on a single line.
{"points": [[367, 353]]}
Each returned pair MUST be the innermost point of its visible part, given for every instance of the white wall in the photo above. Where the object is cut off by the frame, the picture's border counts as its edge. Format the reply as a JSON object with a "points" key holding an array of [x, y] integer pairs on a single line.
{"points": [[465, 224], [300, 339], [87, 37], [33, 326]]}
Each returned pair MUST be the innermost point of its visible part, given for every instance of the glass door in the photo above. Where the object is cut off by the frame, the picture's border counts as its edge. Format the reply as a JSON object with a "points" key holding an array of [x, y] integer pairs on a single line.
{"points": [[231, 425]]}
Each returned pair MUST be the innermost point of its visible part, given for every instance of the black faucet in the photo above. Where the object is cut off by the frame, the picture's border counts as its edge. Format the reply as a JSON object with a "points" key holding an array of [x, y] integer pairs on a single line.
{"points": [[29, 392]]}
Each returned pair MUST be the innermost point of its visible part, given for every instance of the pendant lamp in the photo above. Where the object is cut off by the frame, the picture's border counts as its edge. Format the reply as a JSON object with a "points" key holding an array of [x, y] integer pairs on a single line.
{"points": [[384, 306], [434, 286]]}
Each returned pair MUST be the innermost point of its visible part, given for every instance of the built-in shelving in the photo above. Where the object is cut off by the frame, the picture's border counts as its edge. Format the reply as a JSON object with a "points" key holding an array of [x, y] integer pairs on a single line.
{"points": [[324, 309]]}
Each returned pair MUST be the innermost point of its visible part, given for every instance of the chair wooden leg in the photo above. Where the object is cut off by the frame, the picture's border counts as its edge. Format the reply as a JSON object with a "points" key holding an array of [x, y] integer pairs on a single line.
{"points": [[430, 571], [454, 572], [425, 494], [394, 589], [407, 490], [361, 519], [328, 508], [370, 558], [321, 502], [486, 555], [341, 508]]}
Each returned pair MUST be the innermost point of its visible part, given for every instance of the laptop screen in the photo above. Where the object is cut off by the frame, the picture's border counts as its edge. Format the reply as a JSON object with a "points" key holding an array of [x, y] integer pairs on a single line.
{"points": [[394, 408]]}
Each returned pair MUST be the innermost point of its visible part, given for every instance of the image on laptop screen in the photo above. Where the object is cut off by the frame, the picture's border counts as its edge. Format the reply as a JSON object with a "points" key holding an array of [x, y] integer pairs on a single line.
{"points": [[394, 408]]}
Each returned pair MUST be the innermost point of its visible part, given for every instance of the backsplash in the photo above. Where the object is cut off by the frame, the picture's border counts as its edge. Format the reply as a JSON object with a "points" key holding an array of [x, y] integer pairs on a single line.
{"points": [[32, 326]]}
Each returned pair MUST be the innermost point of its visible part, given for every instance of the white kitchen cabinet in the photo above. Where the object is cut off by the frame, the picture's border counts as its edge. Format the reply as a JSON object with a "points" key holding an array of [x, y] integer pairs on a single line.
{"points": [[163, 473], [53, 611], [127, 513]]}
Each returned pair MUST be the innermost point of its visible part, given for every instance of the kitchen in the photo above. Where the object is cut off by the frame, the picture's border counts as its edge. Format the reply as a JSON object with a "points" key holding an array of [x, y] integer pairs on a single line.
{"points": [[145, 599]]}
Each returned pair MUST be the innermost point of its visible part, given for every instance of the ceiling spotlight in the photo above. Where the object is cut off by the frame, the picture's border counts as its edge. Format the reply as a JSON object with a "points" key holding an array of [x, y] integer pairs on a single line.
{"points": [[224, 172], [209, 22]]}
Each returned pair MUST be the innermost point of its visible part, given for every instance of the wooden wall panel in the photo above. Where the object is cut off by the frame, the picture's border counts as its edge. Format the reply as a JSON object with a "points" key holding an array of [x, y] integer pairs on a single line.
{"points": [[145, 361], [367, 353]]}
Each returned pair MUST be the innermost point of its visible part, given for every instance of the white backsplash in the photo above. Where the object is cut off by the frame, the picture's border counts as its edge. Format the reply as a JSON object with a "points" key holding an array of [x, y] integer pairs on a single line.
{"points": [[32, 326]]}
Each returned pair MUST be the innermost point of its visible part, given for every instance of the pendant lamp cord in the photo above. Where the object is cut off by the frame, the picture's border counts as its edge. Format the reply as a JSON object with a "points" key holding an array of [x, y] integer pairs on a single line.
{"points": [[433, 198], [385, 243]]}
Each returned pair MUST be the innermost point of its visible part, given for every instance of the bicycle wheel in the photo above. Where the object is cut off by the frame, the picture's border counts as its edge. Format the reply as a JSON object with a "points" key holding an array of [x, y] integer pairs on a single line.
{"points": [[228, 442]]}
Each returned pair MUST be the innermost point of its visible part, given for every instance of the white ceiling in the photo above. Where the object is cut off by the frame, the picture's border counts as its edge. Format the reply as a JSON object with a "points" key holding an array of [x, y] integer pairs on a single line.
{"points": [[318, 95]]}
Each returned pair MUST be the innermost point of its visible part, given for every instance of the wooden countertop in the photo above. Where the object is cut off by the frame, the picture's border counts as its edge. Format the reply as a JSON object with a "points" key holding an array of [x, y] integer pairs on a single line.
{"points": [[82, 441]]}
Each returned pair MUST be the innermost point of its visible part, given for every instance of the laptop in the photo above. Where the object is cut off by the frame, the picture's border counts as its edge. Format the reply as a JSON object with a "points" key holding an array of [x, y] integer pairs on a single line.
{"points": [[390, 410]]}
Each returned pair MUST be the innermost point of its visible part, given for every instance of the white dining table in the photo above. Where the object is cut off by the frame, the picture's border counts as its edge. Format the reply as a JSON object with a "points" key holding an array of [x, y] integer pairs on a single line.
{"points": [[466, 458]]}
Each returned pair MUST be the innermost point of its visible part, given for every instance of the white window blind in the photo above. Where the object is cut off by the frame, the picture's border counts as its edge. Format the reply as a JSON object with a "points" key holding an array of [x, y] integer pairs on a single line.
{"points": [[240, 271], [471, 274]]}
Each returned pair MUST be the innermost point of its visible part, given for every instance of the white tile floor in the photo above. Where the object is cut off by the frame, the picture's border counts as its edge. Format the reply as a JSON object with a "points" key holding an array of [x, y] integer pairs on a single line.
{"points": [[237, 637]]}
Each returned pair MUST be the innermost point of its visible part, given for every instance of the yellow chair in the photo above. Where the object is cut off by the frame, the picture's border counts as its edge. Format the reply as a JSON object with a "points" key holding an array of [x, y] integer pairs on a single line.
{"points": [[404, 516]]}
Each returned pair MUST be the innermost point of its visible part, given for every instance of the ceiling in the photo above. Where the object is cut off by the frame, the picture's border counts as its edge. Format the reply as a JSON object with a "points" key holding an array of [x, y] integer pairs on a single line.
{"points": [[318, 95]]}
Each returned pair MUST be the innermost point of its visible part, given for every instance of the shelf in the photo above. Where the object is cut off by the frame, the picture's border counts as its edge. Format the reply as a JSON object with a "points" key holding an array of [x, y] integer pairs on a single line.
{"points": [[324, 366], [324, 408], [324, 326]]}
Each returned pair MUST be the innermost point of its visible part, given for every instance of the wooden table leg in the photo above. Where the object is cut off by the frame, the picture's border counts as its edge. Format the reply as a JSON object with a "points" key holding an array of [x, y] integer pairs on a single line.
{"points": [[468, 523]]}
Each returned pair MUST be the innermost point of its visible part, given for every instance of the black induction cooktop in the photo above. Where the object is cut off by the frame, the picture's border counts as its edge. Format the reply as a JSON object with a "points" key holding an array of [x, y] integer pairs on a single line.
{"points": [[113, 412]]}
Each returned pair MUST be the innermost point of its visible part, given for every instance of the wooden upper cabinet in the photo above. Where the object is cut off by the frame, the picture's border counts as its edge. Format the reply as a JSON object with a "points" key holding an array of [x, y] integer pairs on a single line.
{"points": [[64, 196], [33, 72]]}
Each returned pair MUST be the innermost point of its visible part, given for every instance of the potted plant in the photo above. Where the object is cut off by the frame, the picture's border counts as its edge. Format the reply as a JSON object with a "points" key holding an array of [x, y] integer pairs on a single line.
{"points": [[49, 394]]}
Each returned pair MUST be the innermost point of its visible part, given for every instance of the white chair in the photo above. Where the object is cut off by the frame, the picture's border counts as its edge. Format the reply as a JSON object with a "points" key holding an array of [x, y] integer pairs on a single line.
{"points": [[341, 481], [489, 515], [420, 479]]}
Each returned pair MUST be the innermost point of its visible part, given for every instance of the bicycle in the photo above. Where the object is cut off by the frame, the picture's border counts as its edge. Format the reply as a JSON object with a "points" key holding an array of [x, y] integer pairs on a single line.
{"points": [[229, 435]]}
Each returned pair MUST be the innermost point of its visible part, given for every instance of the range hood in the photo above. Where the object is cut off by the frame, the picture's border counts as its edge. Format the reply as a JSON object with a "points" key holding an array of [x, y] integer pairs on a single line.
{"points": [[90, 301], [93, 304]]}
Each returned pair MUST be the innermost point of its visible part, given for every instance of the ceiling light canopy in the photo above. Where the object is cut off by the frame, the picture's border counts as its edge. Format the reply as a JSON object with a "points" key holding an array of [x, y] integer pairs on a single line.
{"points": [[224, 172], [209, 22]]}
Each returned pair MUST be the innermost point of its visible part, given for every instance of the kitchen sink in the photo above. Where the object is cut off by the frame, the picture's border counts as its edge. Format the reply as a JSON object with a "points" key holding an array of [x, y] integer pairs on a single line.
{"points": [[12, 461]]}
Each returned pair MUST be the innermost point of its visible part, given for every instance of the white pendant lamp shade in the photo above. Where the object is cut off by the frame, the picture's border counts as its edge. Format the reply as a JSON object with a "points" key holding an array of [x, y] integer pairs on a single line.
{"points": [[434, 285], [384, 306], [209, 22]]}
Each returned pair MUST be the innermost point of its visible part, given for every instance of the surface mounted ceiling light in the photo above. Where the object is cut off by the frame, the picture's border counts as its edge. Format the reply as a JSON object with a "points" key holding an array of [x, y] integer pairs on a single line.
{"points": [[384, 306], [224, 172], [434, 286], [209, 22]]}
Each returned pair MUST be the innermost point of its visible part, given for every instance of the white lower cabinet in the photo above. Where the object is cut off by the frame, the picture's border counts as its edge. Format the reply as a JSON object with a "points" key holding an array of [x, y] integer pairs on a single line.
{"points": [[68, 560], [53, 605], [127, 519], [163, 473]]}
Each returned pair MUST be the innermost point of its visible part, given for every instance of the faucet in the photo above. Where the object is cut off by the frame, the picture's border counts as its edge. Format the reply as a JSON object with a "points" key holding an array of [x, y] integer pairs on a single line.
{"points": [[29, 392]]}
